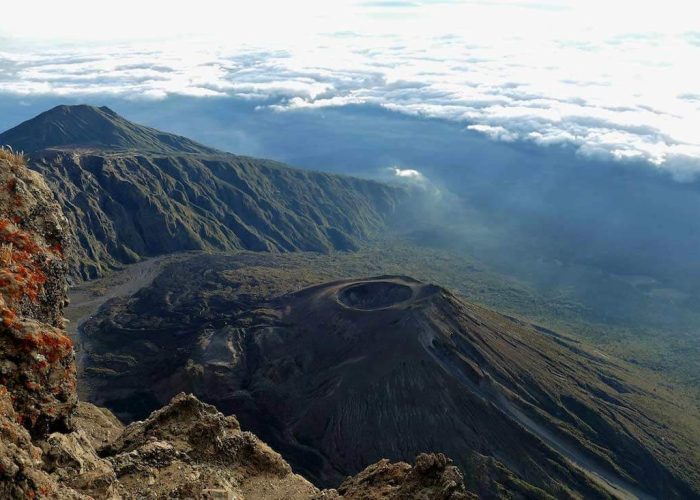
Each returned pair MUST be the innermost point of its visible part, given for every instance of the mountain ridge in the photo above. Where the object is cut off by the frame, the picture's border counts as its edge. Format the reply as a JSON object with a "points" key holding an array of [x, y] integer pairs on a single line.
{"points": [[89, 127], [132, 192]]}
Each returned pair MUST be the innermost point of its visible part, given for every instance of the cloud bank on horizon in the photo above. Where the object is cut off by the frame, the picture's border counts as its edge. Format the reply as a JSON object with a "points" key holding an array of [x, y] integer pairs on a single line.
{"points": [[615, 81]]}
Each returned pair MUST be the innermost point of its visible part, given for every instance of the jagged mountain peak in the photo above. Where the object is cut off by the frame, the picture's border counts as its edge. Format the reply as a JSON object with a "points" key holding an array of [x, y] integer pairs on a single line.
{"points": [[94, 128]]}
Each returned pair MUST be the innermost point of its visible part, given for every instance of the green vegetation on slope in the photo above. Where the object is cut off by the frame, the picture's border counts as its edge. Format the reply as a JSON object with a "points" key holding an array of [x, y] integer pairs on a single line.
{"points": [[131, 192], [127, 206]]}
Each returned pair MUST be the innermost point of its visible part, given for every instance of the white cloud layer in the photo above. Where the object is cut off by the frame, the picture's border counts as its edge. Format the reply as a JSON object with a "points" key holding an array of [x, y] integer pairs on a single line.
{"points": [[615, 79]]}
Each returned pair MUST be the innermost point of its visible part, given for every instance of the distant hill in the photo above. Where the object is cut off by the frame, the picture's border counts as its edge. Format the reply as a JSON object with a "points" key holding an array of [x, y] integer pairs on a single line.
{"points": [[131, 192]]}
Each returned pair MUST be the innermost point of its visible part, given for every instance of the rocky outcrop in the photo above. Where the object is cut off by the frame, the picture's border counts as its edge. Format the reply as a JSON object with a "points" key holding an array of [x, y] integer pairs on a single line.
{"points": [[36, 358], [190, 450], [37, 369], [21, 474], [432, 477]]}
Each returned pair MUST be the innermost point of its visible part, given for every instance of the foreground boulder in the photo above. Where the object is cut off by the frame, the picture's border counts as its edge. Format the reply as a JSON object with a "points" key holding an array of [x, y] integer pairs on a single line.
{"points": [[432, 477], [190, 450]]}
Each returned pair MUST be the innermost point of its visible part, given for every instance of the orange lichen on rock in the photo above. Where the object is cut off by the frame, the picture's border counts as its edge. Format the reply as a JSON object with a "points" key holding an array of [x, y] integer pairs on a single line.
{"points": [[21, 275], [31, 241], [49, 344], [39, 373], [36, 357], [8, 315]]}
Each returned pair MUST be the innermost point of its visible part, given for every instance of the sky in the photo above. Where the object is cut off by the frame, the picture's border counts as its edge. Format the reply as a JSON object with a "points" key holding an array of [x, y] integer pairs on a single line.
{"points": [[616, 79]]}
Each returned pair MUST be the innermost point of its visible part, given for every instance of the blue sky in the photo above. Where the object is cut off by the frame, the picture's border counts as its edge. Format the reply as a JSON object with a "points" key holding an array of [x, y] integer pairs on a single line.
{"points": [[615, 79]]}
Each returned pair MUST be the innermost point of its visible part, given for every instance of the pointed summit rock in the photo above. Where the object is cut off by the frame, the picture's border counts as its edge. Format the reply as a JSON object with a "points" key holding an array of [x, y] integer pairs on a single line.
{"points": [[91, 128]]}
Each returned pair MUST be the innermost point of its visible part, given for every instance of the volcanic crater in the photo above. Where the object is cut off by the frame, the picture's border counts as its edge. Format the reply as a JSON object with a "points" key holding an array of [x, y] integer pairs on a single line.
{"points": [[374, 295]]}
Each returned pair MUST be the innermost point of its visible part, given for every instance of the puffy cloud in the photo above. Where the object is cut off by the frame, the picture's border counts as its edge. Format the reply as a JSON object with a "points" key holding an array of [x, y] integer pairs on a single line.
{"points": [[417, 180], [496, 132], [408, 173]]}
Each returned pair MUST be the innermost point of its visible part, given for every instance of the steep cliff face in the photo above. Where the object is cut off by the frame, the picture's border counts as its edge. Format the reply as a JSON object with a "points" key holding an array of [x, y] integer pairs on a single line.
{"points": [[52, 446], [37, 369], [36, 358]]}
